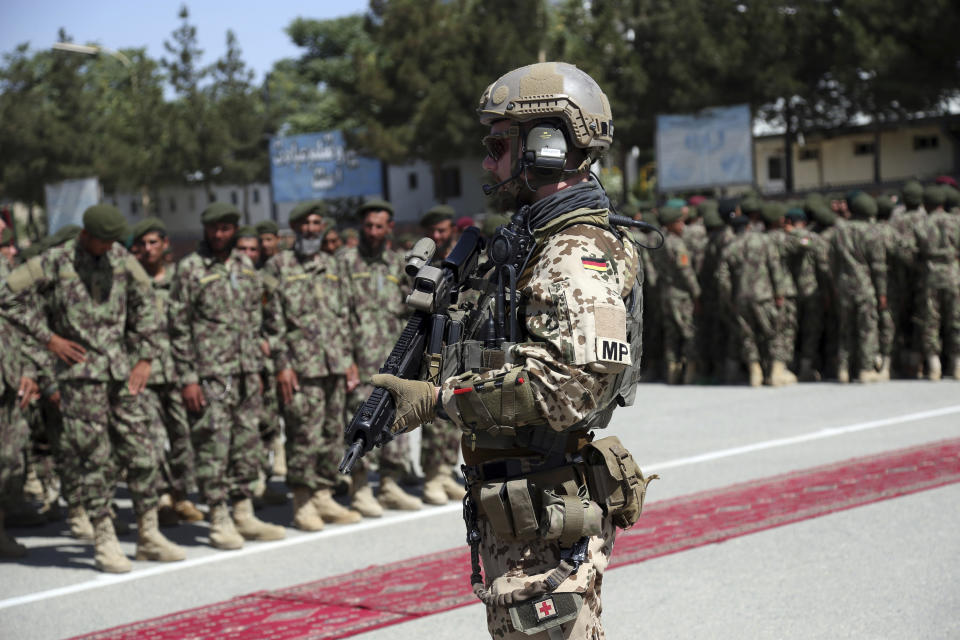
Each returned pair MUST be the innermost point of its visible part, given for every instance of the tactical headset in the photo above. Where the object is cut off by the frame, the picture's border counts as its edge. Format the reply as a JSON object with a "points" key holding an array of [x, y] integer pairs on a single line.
{"points": [[539, 159]]}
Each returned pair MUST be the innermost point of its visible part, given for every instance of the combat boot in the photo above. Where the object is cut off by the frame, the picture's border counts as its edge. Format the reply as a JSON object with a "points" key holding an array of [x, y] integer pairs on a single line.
{"points": [[361, 496], [690, 373], [933, 368], [956, 368], [867, 376], [454, 489], [843, 375], [223, 534], [279, 457], [756, 374], [9, 548], [305, 516], [331, 510], [253, 528], [79, 523], [392, 496], [107, 554], [153, 545], [186, 510], [884, 374], [780, 376], [433, 488]]}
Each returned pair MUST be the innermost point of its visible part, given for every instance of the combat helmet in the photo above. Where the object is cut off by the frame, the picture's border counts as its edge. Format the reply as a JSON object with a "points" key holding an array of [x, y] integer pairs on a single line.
{"points": [[551, 106]]}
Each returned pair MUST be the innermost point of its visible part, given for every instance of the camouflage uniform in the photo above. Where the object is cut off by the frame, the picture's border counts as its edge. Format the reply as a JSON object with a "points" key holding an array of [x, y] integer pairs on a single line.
{"points": [[907, 297], [714, 323], [106, 305], [679, 290], [938, 250], [308, 324], [898, 254], [786, 336], [14, 430], [215, 321], [807, 261]]}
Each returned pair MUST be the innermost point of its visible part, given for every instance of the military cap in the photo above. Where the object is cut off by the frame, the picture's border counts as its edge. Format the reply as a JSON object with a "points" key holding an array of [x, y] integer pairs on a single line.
{"points": [[727, 208], [105, 222], [694, 201], [951, 197], [751, 204], [349, 233], [706, 205], [374, 204], [220, 212], [947, 180], [267, 226], [247, 231], [712, 219], [912, 194], [328, 222], [772, 212], [676, 203], [68, 232], [796, 214], [147, 225], [437, 214], [884, 207], [465, 222], [304, 209], [933, 197], [862, 206], [669, 215], [6, 236]]}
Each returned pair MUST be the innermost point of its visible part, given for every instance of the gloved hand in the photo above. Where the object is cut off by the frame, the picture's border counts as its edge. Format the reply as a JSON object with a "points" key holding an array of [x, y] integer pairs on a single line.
{"points": [[416, 400]]}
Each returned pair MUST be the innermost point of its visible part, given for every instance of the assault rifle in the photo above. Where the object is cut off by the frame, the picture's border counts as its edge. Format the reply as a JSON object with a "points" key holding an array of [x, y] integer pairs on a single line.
{"points": [[418, 352]]}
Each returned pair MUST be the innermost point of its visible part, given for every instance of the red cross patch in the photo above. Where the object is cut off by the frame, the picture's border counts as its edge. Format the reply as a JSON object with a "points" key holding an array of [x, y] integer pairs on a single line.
{"points": [[545, 609]]}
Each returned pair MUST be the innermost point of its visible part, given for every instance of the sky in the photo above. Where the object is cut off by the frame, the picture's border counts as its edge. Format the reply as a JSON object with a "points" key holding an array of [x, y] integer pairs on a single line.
{"points": [[117, 24]]}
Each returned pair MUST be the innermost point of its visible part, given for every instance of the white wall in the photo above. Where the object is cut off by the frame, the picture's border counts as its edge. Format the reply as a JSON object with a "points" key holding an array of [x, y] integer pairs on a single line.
{"points": [[411, 202]]}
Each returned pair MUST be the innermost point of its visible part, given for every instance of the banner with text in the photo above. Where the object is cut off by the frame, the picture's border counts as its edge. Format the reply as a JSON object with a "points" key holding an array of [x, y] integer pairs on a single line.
{"points": [[319, 165]]}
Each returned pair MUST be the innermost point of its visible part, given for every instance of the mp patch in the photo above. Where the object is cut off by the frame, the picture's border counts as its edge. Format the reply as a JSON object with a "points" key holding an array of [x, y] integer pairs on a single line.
{"points": [[613, 351], [594, 264]]}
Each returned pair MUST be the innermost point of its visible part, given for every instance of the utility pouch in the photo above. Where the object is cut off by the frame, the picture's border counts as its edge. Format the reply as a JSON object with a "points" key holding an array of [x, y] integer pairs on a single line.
{"points": [[534, 616], [615, 480], [568, 518], [510, 509]]}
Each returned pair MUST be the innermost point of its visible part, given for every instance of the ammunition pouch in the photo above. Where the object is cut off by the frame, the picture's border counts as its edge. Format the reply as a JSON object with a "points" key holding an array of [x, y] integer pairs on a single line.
{"points": [[615, 480]]}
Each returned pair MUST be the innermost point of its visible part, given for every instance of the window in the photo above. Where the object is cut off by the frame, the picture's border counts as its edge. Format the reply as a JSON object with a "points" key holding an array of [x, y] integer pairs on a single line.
{"points": [[233, 198], [922, 143], [863, 148], [133, 206], [449, 184], [256, 196], [775, 168], [809, 153], [412, 181], [173, 204]]}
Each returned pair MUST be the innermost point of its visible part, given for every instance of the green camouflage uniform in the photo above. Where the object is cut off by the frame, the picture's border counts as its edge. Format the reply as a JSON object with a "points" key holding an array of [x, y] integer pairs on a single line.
{"points": [[898, 292], [807, 262], [938, 250], [215, 337], [14, 430], [714, 323], [786, 337], [307, 321], [908, 297], [106, 305], [678, 288]]}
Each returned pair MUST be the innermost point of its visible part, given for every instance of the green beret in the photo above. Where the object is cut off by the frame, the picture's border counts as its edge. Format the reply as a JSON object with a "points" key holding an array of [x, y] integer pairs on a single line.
{"points": [[220, 212], [104, 222], [862, 206], [952, 197], [884, 207], [772, 212], [267, 226], [933, 197], [712, 219], [374, 204], [669, 215], [247, 231], [6, 235], [750, 204], [676, 203], [307, 208], [349, 233], [820, 212], [912, 194], [707, 205], [796, 214], [147, 225], [437, 214]]}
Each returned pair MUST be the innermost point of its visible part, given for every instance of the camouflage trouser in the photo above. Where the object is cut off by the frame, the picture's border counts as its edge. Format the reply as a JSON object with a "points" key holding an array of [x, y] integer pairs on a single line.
{"points": [[940, 312], [314, 426], [679, 332], [756, 329], [105, 429], [390, 458], [858, 331], [785, 339], [168, 415], [712, 326], [269, 420], [226, 438], [439, 444], [14, 437], [509, 566], [809, 327], [652, 332]]}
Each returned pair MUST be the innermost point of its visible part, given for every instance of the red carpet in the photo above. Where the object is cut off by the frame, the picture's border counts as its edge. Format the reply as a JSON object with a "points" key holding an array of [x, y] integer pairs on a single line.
{"points": [[388, 594]]}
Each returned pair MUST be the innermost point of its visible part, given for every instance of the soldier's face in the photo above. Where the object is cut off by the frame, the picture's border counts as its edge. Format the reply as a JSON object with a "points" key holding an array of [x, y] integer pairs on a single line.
{"points": [[331, 242], [219, 235], [311, 226], [94, 246], [251, 247], [9, 251], [270, 243], [150, 247], [376, 226], [441, 233]]}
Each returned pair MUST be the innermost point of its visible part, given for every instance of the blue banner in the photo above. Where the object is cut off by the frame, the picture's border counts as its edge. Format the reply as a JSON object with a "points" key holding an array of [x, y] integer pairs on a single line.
{"points": [[319, 165]]}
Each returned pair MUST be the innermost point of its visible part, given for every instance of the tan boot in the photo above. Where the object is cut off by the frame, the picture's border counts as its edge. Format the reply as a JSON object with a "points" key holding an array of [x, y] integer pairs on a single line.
{"points": [[433, 488], [305, 516], [756, 374], [934, 372], [32, 487], [780, 376], [279, 457], [107, 553], [9, 548], [674, 372], [223, 533], [956, 368], [153, 545], [253, 528], [454, 489], [166, 514], [187, 511], [690, 373], [392, 496], [79, 523], [884, 374], [866, 376], [331, 510], [843, 375], [361, 496]]}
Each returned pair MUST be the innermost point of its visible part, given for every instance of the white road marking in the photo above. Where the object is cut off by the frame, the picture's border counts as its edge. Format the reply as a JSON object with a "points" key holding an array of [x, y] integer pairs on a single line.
{"points": [[106, 580]]}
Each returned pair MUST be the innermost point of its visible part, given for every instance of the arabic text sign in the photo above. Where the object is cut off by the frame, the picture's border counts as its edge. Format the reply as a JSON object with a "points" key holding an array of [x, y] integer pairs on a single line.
{"points": [[706, 149], [319, 165]]}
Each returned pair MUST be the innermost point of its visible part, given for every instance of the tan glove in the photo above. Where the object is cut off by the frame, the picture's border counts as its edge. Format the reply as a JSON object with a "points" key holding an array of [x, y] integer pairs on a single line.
{"points": [[415, 399]]}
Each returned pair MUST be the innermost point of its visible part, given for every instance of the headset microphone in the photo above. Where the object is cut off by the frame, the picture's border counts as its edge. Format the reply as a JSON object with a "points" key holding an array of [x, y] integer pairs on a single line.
{"points": [[488, 189]]}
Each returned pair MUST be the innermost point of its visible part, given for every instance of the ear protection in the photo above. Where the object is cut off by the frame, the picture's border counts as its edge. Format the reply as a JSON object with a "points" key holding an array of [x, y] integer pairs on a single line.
{"points": [[545, 152]]}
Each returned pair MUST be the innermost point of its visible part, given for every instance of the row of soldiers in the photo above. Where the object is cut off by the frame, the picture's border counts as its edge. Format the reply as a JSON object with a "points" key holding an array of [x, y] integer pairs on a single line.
{"points": [[172, 377], [852, 287]]}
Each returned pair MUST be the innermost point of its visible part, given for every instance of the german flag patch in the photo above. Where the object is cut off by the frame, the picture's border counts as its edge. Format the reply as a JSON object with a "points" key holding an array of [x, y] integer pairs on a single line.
{"points": [[594, 264]]}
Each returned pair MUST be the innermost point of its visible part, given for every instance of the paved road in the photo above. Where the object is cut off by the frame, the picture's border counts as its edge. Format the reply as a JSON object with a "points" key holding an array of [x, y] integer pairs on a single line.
{"points": [[884, 570]]}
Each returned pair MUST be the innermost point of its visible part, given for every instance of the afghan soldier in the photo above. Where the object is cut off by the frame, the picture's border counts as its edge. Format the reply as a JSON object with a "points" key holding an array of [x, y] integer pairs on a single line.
{"points": [[786, 337], [807, 261], [858, 259], [906, 317], [898, 257], [441, 438], [162, 399], [218, 351], [938, 252], [269, 234], [679, 299], [308, 323], [695, 235], [714, 323], [378, 290], [102, 312]]}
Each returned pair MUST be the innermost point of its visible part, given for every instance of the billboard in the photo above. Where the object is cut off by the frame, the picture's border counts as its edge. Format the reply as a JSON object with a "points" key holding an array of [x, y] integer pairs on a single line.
{"points": [[710, 148], [319, 165]]}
